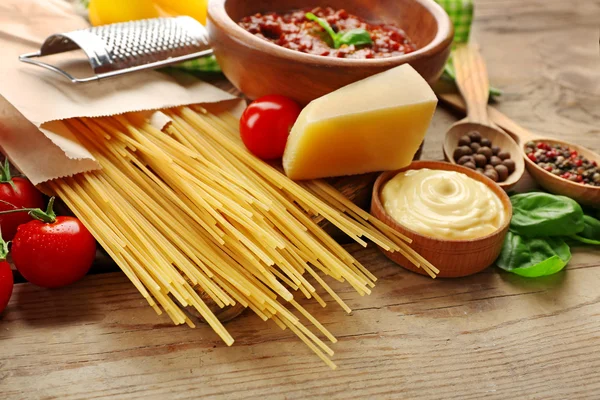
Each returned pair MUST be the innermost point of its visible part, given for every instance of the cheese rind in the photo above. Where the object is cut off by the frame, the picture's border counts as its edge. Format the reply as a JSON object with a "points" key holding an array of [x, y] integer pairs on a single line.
{"points": [[376, 124]]}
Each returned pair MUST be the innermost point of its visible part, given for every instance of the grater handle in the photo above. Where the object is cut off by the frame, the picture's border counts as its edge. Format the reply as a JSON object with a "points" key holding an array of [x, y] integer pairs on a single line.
{"points": [[29, 58]]}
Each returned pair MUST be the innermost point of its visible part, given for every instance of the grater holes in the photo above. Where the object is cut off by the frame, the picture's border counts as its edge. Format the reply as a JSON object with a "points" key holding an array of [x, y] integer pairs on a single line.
{"points": [[139, 42]]}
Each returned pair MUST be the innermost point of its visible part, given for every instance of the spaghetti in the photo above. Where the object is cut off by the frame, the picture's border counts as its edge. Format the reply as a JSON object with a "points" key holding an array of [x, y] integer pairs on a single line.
{"points": [[189, 211]]}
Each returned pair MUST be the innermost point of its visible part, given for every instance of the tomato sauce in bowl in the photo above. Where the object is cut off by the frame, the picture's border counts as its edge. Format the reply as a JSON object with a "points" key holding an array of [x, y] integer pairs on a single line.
{"points": [[293, 30]]}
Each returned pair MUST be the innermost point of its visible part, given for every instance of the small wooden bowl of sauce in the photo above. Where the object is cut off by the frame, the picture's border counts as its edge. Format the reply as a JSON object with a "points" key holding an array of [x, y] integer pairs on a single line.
{"points": [[453, 257], [258, 66]]}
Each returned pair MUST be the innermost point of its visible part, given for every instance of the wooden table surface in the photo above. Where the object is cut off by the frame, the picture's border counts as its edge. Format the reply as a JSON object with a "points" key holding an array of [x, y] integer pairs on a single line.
{"points": [[492, 335]]}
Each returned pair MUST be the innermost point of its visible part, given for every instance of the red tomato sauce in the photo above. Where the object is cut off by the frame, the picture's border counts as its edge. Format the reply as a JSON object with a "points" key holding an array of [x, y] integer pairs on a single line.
{"points": [[294, 31]]}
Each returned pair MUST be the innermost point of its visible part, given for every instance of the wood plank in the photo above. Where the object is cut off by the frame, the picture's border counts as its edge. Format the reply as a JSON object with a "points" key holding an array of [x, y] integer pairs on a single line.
{"points": [[492, 334]]}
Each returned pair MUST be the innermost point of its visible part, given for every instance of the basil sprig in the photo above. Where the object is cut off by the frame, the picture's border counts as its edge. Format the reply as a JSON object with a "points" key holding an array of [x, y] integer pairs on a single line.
{"points": [[357, 37], [533, 257], [591, 231], [538, 214], [540, 226]]}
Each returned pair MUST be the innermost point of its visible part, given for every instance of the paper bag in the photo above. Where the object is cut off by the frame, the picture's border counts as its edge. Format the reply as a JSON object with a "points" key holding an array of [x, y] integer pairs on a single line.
{"points": [[31, 98]]}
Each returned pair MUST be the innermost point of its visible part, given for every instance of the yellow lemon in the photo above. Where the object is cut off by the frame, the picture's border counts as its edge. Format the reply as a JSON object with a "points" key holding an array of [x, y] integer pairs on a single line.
{"points": [[194, 8], [103, 12]]}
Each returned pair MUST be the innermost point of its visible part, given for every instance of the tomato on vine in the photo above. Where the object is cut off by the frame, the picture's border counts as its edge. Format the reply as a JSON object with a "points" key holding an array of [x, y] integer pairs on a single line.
{"points": [[52, 251], [6, 277], [16, 193]]}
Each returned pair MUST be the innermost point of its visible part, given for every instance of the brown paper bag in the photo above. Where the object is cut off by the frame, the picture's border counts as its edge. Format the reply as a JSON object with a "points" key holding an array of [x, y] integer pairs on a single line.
{"points": [[33, 99]]}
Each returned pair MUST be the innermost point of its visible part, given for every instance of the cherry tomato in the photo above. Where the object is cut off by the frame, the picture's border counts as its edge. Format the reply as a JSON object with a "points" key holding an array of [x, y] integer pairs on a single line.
{"points": [[20, 193], [6, 284], [53, 254], [6, 277], [266, 123]]}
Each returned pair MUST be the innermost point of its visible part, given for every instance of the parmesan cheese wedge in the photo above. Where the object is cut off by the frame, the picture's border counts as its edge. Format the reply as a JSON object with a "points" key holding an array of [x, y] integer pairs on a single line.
{"points": [[376, 124]]}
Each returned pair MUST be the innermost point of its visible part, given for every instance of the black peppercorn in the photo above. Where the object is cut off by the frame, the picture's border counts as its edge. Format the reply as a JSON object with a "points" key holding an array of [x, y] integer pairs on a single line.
{"points": [[480, 160], [464, 141], [502, 172], [475, 136], [486, 151], [495, 161], [510, 164], [505, 155], [492, 174], [465, 159]]}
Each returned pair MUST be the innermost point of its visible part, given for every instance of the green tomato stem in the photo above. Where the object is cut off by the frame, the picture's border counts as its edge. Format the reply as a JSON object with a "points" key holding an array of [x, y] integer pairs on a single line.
{"points": [[48, 216], [5, 176], [3, 248], [325, 25]]}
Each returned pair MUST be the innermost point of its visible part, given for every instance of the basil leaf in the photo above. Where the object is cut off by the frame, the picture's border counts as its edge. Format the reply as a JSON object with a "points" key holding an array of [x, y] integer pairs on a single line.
{"points": [[539, 214], [357, 37], [450, 75], [325, 25], [591, 231], [533, 257]]}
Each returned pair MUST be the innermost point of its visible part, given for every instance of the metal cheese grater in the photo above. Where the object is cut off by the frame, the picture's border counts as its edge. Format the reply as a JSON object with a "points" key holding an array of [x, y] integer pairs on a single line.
{"points": [[122, 48]]}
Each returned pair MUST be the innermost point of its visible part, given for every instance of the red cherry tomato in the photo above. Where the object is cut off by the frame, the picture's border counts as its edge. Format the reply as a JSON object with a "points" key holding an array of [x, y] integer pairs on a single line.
{"points": [[266, 123], [6, 284], [23, 195], [53, 254]]}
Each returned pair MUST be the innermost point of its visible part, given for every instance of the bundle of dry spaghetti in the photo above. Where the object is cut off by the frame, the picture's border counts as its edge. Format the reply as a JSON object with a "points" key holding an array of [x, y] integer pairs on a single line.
{"points": [[190, 211]]}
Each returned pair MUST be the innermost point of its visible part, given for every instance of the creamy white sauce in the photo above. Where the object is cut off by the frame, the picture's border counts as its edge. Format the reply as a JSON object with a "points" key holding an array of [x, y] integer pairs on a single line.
{"points": [[443, 204]]}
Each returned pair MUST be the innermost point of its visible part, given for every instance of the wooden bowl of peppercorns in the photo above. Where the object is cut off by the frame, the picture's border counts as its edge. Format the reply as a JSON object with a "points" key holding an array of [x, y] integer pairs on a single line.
{"points": [[492, 153], [564, 168]]}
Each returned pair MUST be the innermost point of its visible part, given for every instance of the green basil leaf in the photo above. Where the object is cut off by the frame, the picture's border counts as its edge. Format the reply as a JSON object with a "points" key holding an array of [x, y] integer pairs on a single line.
{"points": [[533, 257], [539, 214], [585, 240], [325, 25], [357, 37], [450, 75], [591, 231]]}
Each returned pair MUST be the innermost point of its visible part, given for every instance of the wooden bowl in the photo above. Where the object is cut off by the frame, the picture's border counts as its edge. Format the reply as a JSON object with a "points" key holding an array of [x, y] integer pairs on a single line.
{"points": [[583, 194], [498, 138], [258, 67], [454, 258]]}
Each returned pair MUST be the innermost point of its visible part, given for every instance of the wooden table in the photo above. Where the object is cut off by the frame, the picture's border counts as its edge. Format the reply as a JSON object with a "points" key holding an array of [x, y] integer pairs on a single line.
{"points": [[492, 335]]}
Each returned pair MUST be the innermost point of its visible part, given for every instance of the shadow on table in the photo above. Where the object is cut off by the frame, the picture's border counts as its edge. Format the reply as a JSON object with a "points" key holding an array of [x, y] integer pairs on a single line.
{"points": [[39, 307]]}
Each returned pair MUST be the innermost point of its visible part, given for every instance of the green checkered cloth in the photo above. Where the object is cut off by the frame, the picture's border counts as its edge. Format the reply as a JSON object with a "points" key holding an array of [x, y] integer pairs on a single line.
{"points": [[461, 14], [204, 64]]}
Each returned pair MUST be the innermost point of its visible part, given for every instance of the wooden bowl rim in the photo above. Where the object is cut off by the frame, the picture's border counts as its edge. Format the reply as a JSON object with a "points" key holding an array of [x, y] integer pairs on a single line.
{"points": [[443, 39], [386, 176], [558, 179], [514, 178]]}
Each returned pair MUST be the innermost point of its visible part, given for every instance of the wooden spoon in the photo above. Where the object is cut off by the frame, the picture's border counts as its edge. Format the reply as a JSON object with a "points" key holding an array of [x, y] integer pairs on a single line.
{"points": [[472, 80], [583, 194]]}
